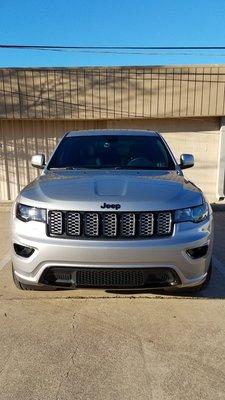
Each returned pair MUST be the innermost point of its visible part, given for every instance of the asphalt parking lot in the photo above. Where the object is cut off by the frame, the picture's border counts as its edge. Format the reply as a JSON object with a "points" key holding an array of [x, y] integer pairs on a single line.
{"points": [[101, 345]]}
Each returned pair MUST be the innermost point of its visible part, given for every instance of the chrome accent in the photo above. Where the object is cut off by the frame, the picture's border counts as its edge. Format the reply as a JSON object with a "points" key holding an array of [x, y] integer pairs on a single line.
{"points": [[91, 224], [73, 227], [127, 224], [55, 222], [164, 223], [146, 224], [110, 222]]}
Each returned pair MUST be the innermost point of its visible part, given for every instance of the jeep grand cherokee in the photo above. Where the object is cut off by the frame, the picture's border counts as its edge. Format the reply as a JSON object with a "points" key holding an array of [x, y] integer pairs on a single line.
{"points": [[112, 209]]}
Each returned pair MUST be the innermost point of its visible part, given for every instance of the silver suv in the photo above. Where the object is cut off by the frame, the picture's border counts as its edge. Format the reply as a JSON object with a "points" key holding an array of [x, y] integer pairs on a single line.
{"points": [[112, 209]]}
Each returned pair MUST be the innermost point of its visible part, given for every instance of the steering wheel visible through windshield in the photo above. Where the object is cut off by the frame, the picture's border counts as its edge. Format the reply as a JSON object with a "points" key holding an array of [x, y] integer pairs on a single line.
{"points": [[112, 152]]}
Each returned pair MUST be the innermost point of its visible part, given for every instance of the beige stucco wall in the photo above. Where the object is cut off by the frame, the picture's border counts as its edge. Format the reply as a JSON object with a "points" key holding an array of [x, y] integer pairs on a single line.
{"points": [[19, 140], [204, 146]]}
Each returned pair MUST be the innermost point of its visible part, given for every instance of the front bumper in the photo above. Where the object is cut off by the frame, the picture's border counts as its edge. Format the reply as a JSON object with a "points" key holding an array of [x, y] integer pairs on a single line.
{"points": [[169, 252]]}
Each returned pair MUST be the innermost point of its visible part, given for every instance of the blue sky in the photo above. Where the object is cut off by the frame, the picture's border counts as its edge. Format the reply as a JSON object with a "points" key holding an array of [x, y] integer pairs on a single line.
{"points": [[110, 23]]}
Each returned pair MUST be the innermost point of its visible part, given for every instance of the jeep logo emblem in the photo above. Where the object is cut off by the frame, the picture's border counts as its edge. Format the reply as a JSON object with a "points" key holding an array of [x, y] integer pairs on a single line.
{"points": [[114, 206]]}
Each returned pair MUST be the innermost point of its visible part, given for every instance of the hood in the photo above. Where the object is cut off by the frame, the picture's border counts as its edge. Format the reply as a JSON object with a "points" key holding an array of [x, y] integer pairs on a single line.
{"points": [[132, 190]]}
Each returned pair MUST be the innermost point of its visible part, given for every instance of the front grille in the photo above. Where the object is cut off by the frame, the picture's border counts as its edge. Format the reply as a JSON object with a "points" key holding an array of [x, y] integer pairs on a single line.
{"points": [[73, 224], [91, 224], [109, 225], [163, 223], [56, 222], [146, 224], [109, 278], [127, 225]]}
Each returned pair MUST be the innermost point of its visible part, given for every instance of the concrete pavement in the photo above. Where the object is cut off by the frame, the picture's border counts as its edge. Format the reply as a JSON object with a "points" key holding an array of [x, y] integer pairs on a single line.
{"points": [[112, 349], [5, 230], [100, 345]]}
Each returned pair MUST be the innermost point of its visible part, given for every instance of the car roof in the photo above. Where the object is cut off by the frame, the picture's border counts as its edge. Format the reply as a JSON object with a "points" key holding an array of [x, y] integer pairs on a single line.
{"points": [[91, 132]]}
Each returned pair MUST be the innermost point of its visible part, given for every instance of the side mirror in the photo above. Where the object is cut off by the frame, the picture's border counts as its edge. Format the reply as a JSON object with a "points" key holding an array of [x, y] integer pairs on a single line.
{"points": [[38, 161], [186, 161]]}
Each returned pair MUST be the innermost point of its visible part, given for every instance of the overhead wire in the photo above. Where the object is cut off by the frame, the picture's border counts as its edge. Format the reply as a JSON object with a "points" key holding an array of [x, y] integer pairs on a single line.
{"points": [[121, 50], [49, 47]]}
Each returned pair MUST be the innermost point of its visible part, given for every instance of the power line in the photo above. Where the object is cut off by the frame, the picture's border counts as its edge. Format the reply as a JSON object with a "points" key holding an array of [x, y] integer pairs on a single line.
{"points": [[139, 53], [121, 50], [18, 46]]}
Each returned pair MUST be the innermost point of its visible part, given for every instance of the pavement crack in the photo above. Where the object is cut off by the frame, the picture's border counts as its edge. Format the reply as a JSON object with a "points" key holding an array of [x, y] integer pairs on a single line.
{"points": [[71, 362], [140, 343]]}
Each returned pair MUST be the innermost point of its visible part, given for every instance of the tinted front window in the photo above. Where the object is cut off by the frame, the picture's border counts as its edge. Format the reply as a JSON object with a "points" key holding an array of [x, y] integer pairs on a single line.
{"points": [[115, 151]]}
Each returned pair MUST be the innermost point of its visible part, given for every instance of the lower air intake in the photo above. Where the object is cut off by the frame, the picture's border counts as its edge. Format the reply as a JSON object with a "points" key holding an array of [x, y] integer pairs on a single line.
{"points": [[110, 278], [120, 278]]}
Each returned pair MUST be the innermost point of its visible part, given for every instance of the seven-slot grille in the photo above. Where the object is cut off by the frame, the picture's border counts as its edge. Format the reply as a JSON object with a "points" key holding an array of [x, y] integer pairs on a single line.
{"points": [[109, 225]]}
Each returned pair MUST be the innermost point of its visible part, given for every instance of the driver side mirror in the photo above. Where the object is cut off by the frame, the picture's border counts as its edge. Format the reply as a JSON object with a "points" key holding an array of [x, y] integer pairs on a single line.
{"points": [[186, 161], [38, 161]]}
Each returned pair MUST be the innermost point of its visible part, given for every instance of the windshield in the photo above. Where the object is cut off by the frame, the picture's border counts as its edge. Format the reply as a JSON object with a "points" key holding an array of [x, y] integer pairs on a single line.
{"points": [[112, 152]]}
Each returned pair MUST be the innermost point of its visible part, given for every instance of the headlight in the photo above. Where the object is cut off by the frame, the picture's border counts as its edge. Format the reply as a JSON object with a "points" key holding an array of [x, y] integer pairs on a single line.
{"points": [[193, 214], [28, 213]]}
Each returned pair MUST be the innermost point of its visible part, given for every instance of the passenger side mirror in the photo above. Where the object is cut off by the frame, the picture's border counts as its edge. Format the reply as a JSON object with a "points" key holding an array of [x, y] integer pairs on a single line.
{"points": [[38, 161], [186, 161]]}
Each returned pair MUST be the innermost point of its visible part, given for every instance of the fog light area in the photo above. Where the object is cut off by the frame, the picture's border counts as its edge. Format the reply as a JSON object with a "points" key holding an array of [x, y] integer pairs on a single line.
{"points": [[23, 251], [198, 252]]}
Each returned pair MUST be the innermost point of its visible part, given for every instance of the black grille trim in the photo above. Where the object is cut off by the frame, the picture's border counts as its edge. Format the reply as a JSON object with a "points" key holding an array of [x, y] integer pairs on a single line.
{"points": [[100, 217], [109, 278]]}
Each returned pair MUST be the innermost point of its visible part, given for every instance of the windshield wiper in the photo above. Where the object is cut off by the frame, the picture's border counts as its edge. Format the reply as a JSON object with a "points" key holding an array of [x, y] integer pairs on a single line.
{"points": [[62, 168], [73, 168], [128, 167]]}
